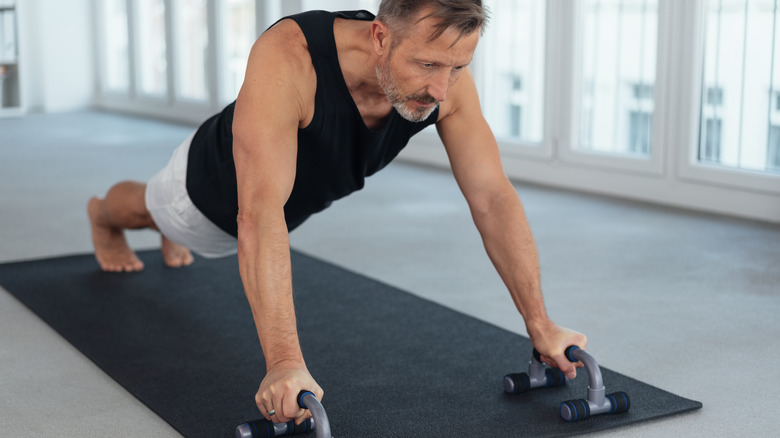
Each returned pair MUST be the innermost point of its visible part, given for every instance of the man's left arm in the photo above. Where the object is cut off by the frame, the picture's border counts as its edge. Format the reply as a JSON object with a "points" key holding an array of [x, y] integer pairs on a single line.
{"points": [[500, 218]]}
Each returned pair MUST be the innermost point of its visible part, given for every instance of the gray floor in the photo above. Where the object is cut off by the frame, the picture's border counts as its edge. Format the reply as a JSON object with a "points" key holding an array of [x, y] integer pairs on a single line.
{"points": [[684, 301]]}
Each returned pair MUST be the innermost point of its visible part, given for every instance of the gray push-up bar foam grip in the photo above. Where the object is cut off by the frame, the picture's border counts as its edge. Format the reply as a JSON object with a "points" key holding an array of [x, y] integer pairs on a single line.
{"points": [[538, 376], [597, 402], [267, 429]]}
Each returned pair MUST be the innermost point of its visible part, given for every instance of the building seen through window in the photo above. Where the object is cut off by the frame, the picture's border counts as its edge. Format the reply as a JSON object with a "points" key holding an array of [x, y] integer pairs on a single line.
{"points": [[740, 105], [618, 63], [512, 57]]}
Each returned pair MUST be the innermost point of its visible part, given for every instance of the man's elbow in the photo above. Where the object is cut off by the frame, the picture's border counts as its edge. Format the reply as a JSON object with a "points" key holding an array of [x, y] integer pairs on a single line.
{"points": [[256, 224]]}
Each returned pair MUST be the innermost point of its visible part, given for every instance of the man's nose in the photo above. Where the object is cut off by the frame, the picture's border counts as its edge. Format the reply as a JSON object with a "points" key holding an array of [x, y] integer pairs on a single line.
{"points": [[439, 85]]}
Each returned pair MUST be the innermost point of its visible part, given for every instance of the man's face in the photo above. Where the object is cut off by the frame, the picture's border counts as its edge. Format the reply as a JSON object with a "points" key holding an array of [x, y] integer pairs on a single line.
{"points": [[417, 73]]}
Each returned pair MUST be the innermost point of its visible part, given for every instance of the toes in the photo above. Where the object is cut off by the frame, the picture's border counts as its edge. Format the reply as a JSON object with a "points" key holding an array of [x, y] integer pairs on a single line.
{"points": [[121, 266], [179, 260], [135, 266]]}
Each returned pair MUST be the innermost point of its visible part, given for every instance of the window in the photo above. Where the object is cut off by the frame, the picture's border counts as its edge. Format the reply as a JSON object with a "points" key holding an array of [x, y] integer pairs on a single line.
{"points": [[152, 47], [639, 127], [181, 59], [192, 39], [710, 137], [513, 86], [640, 119], [710, 153], [239, 19], [740, 81], [773, 150], [714, 96], [341, 5], [618, 72], [115, 46]]}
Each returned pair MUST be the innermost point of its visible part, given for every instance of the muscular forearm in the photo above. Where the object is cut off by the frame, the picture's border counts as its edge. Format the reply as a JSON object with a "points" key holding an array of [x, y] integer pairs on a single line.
{"points": [[264, 263], [510, 245]]}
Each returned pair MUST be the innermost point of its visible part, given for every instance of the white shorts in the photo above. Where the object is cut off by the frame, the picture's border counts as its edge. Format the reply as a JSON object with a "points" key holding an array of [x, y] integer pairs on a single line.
{"points": [[176, 216]]}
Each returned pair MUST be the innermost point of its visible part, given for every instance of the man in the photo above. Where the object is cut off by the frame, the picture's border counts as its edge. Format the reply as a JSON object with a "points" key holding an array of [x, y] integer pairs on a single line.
{"points": [[327, 100]]}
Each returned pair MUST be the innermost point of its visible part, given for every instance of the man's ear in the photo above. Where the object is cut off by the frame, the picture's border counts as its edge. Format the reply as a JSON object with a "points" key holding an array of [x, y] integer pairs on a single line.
{"points": [[380, 36]]}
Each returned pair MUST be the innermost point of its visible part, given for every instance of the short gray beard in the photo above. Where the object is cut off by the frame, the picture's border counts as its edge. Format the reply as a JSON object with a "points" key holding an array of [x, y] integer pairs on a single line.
{"points": [[388, 84]]}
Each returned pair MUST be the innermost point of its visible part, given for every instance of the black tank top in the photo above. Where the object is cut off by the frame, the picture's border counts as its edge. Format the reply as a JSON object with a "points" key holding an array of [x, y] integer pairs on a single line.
{"points": [[336, 152]]}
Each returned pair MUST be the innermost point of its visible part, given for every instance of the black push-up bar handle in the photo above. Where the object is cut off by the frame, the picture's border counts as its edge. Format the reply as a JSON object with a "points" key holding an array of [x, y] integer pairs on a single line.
{"points": [[267, 429], [597, 402], [538, 376]]}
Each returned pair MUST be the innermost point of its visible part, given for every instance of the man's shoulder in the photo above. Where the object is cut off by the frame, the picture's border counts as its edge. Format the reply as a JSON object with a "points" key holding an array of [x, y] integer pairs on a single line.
{"points": [[285, 39], [279, 74], [284, 49]]}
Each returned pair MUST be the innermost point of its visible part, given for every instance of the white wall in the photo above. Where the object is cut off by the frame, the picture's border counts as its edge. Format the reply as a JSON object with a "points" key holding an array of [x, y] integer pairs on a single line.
{"points": [[56, 57]]}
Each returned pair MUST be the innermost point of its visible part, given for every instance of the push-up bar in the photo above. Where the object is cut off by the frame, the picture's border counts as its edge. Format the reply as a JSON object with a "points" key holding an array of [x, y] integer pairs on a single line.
{"points": [[267, 429], [597, 402]]}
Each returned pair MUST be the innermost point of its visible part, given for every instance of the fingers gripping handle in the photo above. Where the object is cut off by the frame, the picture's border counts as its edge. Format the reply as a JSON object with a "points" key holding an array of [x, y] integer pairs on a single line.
{"points": [[595, 382], [307, 400], [538, 376], [266, 429]]}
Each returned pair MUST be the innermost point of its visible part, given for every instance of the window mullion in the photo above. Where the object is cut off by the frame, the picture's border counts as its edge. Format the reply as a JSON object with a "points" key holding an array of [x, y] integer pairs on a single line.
{"points": [[214, 53], [132, 45], [170, 52]]}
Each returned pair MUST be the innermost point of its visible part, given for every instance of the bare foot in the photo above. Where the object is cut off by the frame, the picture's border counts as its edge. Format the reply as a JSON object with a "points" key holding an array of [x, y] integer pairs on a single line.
{"points": [[111, 249], [175, 255]]}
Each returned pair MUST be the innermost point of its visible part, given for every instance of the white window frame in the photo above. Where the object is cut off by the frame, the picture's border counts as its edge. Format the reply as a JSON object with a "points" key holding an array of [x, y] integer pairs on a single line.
{"points": [[671, 175], [171, 105], [686, 111], [571, 52]]}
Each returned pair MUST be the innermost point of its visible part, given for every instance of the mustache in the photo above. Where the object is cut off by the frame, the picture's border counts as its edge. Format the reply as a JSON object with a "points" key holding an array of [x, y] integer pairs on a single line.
{"points": [[423, 97]]}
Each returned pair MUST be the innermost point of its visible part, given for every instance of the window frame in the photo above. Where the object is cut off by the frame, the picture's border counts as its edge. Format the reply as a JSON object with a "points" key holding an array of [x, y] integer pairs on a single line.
{"points": [[171, 105], [686, 111], [652, 164], [543, 150]]}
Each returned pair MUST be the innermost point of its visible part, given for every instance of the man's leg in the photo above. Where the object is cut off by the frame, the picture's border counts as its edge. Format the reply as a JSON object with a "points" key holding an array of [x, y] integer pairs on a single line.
{"points": [[124, 207]]}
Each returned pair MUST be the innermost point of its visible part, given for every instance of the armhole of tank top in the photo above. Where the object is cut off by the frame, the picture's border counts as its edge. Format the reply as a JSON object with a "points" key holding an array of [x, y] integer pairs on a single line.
{"points": [[316, 119]]}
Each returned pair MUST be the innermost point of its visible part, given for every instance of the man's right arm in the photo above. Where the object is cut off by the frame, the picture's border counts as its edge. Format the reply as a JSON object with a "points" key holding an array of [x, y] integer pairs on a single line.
{"points": [[272, 104]]}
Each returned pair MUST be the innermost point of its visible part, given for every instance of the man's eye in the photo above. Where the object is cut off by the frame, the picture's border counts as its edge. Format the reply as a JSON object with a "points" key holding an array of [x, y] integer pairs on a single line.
{"points": [[428, 65]]}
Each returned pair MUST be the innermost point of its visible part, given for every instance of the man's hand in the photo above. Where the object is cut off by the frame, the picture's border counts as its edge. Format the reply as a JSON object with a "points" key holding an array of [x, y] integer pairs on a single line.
{"points": [[279, 391], [551, 340]]}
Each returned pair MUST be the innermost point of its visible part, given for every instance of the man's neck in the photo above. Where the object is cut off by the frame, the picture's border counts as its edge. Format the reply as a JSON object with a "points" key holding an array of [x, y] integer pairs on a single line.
{"points": [[358, 65]]}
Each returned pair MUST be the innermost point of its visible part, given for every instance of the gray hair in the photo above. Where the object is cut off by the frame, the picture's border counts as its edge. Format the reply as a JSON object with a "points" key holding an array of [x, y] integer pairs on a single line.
{"points": [[465, 16]]}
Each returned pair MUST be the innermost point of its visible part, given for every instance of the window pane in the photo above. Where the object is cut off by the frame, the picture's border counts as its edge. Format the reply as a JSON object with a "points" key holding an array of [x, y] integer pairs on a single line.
{"points": [[740, 113], [513, 50], [342, 5], [152, 65], [192, 40], [115, 45], [618, 74], [240, 33]]}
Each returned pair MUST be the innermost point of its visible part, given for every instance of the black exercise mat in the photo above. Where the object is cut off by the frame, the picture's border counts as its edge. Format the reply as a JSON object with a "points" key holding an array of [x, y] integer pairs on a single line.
{"points": [[392, 365]]}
